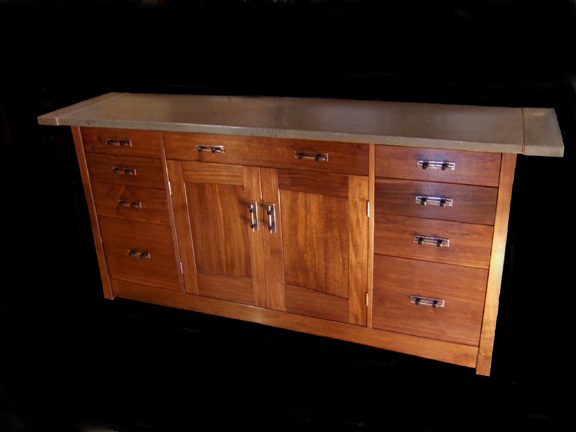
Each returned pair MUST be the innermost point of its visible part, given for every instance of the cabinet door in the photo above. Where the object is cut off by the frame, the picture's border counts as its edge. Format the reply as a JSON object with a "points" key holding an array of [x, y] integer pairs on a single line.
{"points": [[215, 207], [316, 243]]}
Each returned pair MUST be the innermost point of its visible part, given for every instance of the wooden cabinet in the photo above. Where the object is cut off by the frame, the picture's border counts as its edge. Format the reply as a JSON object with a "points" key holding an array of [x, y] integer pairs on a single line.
{"points": [[371, 222], [291, 240]]}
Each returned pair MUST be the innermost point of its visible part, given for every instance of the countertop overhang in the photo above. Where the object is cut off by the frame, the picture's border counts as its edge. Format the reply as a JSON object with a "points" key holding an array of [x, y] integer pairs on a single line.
{"points": [[530, 131]]}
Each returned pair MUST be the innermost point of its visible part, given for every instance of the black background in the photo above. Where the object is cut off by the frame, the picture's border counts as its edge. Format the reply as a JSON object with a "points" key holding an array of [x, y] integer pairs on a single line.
{"points": [[71, 360]]}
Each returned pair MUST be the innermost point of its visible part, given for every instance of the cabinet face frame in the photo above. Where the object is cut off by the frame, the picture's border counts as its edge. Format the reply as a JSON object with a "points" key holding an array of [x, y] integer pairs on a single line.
{"points": [[269, 308]]}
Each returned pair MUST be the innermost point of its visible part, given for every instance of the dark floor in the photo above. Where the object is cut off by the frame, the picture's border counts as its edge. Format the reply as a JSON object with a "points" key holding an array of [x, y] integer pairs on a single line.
{"points": [[99, 365]]}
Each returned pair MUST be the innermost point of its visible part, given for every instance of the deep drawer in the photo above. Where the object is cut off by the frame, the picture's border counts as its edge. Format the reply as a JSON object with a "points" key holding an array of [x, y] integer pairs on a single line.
{"points": [[445, 201], [140, 252], [128, 202], [431, 300], [437, 165], [433, 240], [122, 141], [322, 156], [125, 170]]}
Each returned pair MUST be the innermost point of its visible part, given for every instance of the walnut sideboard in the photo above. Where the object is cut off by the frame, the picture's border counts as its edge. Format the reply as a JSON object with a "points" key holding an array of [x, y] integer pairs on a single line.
{"points": [[373, 222]]}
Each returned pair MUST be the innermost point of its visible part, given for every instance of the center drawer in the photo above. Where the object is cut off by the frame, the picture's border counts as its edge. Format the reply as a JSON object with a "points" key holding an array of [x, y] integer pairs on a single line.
{"points": [[310, 155], [140, 252]]}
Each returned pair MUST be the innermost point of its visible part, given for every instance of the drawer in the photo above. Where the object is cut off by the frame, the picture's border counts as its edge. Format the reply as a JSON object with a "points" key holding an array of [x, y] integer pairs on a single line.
{"points": [[140, 252], [129, 202], [437, 301], [122, 141], [445, 201], [125, 170], [437, 165], [323, 156], [416, 238]]}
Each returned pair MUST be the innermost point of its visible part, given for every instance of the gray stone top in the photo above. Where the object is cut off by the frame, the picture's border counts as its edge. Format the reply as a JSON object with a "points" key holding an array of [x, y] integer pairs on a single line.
{"points": [[530, 131]]}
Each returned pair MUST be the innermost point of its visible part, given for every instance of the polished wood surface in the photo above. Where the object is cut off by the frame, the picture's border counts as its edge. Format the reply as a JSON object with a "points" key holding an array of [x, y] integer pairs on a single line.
{"points": [[472, 168], [496, 264], [340, 261], [211, 210], [131, 142], [144, 172], [129, 202], [471, 204], [470, 245], [346, 158], [462, 288], [121, 236]]}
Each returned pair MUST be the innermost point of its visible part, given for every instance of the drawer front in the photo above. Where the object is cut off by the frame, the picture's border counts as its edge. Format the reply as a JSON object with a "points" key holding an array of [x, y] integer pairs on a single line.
{"points": [[128, 202], [122, 142], [437, 165], [140, 252], [125, 170], [445, 201], [433, 240], [323, 156], [431, 300]]}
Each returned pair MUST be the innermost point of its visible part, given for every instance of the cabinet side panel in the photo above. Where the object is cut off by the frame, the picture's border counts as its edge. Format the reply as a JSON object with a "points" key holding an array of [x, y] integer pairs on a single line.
{"points": [[496, 264], [106, 285]]}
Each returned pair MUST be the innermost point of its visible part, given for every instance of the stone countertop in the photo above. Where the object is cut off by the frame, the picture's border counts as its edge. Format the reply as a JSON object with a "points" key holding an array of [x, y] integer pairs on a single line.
{"points": [[530, 131]]}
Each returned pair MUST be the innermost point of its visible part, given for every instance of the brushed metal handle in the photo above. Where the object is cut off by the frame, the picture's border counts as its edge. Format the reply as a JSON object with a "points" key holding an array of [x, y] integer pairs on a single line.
{"points": [[253, 210], [130, 204], [429, 240], [139, 254], [318, 157], [125, 171], [427, 301], [432, 164], [433, 200], [210, 148], [119, 142], [271, 212]]}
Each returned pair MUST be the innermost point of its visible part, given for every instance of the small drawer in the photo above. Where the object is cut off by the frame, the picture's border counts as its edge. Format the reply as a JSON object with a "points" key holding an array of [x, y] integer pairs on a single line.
{"points": [[134, 203], [310, 155], [445, 201], [437, 165], [436, 301], [125, 170], [140, 252], [122, 141], [433, 240]]}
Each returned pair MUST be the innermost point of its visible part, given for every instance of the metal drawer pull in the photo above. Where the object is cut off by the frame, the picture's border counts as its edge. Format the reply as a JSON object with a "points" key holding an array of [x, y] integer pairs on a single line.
{"points": [[427, 301], [271, 212], [253, 209], [443, 165], [125, 171], [436, 201], [210, 148], [130, 204], [318, 157], [119, 142], [436, 241], [139, 254]]}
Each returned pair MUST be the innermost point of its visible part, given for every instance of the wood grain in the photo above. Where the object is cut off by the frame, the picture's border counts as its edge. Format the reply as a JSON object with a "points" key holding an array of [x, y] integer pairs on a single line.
{"points": [[474, 168]]}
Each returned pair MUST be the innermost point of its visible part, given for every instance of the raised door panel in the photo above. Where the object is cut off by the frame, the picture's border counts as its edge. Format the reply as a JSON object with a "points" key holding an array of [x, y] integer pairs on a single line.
{"points": [[316, 243], [221, 251]]}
